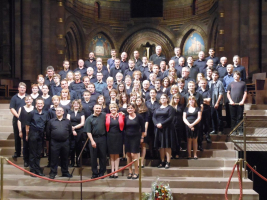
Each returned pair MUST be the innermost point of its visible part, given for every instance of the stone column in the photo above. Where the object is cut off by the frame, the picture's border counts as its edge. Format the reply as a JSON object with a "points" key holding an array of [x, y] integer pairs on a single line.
{"points": [[235, 26], [60, 34], [45, 35], [221, 30]]}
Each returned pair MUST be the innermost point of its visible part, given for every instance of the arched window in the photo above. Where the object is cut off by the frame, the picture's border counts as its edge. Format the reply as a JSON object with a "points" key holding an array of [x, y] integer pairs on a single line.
{"points": [[97, 10]]}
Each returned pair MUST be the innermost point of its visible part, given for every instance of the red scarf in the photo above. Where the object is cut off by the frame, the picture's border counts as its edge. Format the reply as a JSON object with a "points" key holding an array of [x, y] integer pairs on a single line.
{"points": [[121, 121]]}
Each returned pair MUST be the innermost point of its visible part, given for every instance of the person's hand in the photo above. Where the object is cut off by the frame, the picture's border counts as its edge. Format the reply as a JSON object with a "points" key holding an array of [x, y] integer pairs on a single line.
{"points": [[216, 106], [142, 140], [73, 128], [192, 129], [190, 126], [145, 134], [159, 125], [20, 134], [231, 103], [26, 138], [74, 133], [93, 144], [241, 103]]}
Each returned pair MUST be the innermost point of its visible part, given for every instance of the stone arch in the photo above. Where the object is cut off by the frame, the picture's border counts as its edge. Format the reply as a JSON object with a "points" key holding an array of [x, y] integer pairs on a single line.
{"points": [[152, 36]]}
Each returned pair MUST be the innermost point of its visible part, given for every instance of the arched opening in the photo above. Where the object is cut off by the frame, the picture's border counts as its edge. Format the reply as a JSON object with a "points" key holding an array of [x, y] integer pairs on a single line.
{"points": [[97, 10]]}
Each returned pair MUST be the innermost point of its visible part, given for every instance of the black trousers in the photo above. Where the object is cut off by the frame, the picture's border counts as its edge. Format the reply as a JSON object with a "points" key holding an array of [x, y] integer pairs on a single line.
{"points": [[227, 110], [26, 151], [216, 118], [99, 152], [35, 147], [59, 149], [16, 136], [204, 126], [236, 115], [76, 146]]}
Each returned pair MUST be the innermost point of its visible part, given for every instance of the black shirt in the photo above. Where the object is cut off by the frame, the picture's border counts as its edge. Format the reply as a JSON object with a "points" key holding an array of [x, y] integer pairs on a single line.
{"points": [[157, 59], [88, 63], [194, 70], [48, 82], [205, 94], [198, 97], [222, 72], [63, 74], [87, 108], [16, 102], [114, 71], [59, 130], [83, 71], [201, 64], [75, 119], [96, 125], [216, 61], [37, 121]]}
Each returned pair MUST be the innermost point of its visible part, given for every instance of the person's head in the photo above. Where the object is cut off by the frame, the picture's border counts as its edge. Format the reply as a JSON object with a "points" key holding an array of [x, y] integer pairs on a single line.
{"points": [[136, 85], [190, 60], [91, 88], [163, 65], [236, 60], [113, 93], [166, 82], [175, 99], [152, 77], [91, 56], [28, 100], [98, 59], [99, 76], [40, 79], [123, 56], [199, 76], [66, 64], [113, 53], [223, 61], [77, 75], [131, 63], [39, 103], [55, 100], [171, 64], [117, 62], [50, 71], [119, 76], [56, 78], [192, 102], [158, 50], [215, 75], [153, 93], [150, 65], [137, 75], [139, 101], [203, 83], [172, 78], [209, 71], [185, 72], [123, 98], [113, 107], [133, 96], [174, 89], [201, 55], [80, 63], [99, 65], [97, 109], [237, 75], [70, 76], [144, 60], [131, 108], [128, 80], [35, 88], [157, 84], [65, 94], [164, 99], [177, 51], [110, 81], [86, 95], [146, 84], [181, 61], [64, 84], [191, 86], [86, 80], [45, 89], [121, 88], [136, 54], [229, 69], [59, 112], [181, 83], [90, 71], [172, 71], [101, 100], [209, 63], [155, 69], [211, 52]]}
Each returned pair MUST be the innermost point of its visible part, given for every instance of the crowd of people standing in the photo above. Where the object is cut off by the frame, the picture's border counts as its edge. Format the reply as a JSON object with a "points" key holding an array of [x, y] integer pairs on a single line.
{"points": [[125, 107]]}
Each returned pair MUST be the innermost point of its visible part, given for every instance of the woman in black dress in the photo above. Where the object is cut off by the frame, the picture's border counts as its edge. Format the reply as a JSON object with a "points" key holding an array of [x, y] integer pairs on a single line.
{"points": [[178, 121], [76, 116], [143, 111], [165, 137], [134, 127], [65, 102], [23, 113], [34, 93], [47, 98], [101, 101], [191, 118], [40, 83], [114, 127]]}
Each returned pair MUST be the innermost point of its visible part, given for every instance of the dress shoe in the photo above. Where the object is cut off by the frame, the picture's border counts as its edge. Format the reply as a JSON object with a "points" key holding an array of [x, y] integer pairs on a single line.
{"points": [[39, 174], [208, 139], [100, 175], [68, 175], [200, 148], [16, 155], [213, 132], [94, 176], [161, 165], [26, 164], [135, 176], [115, 176], [167, 166], [220, 133], [52, 176], [112, 176]]}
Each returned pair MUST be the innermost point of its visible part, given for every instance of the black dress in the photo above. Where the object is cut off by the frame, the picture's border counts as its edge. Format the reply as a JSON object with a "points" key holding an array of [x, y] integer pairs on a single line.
{"points": [[65, 107], [133, 131], [145, 117], [191, 117], [165, 137], [179, 125], [114, 137], [151, 108], [47, 103]]}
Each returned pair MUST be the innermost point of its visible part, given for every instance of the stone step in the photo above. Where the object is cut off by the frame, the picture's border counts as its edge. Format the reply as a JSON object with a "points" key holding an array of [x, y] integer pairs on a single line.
{"points": [[175, 182], [4, 106], [147, 171], [253, 131], [5, 111], [7, 129], [6, 135], [37, 192], [5, 122]]}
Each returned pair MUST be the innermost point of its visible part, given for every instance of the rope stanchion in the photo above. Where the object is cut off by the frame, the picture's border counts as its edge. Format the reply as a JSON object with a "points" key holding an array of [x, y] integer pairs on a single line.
{"points": [[60, 181], [229, 181], [240, 184], [254, 171]]}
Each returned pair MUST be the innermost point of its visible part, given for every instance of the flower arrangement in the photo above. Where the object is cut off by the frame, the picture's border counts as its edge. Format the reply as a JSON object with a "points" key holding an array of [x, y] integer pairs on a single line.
{"points": [[160, 191]]}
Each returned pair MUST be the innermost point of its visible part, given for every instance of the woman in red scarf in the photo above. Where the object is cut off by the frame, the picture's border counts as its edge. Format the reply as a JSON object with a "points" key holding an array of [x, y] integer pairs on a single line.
{"points": [[114, 127]]}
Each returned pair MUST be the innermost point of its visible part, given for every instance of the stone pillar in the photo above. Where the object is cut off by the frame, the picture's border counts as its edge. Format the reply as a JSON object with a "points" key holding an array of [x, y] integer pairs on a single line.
{"points": [[235, 27], [45, 35], [263, 36], [221, 30], [243, 27], [60, 31], [26, 40], [17, 68], [254, 53]]}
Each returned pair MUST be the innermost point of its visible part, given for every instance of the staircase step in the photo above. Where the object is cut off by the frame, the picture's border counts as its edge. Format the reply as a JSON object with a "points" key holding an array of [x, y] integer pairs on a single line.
{"points": [[4, 106], [6, 135], [7, 129]]}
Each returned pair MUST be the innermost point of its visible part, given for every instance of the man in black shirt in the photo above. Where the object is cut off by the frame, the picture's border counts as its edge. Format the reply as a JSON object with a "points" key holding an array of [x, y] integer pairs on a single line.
{"points": [[49, 76], [35, 127], [77, 85], [81, 68], [64, 85], [221, 68], [16, 102], [201, 62], [116, 69], [193, 69], [99, 66], [58, 131], [91, 61], [177, 56], [96, 132], [137, 60], [157, 57], [91, 75], [131, 68], [124, 63], [185, 76], [66, 69], [213, 57]]}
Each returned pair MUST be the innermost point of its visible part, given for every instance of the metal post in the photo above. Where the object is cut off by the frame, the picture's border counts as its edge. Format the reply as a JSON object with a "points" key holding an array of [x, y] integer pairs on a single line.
{"points": [[2, 178], [140, 179], [241, 173], [81, 175], [245, 143]]}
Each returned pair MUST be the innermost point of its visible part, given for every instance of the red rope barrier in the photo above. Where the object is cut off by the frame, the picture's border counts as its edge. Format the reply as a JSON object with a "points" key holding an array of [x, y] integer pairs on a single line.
{"points": [[229, 181], [60, 181], [252, 169], [240, 183]]}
